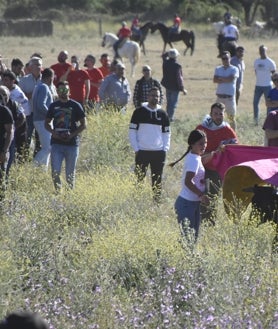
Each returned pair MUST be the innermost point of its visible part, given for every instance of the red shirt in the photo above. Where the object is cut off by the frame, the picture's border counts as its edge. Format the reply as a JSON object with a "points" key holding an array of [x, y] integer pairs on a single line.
{"points": [[124, 32], [95, 77], [135, 23], [76, 80], [104, 70], [215, 138], [177, 21], [59, 70]]}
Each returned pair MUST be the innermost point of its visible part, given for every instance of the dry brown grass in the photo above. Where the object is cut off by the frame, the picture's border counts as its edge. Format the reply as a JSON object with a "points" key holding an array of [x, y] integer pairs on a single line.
{"points": [[84, 38]]}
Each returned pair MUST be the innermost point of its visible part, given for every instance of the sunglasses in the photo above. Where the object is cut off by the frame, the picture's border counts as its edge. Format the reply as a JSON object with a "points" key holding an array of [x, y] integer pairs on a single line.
{"points": [[225, 58], [275, 80], [62, 89]]}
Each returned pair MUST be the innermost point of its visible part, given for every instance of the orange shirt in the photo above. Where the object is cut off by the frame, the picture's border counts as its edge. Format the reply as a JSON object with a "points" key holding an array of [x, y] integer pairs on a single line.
{"points": [[76, 80], [216, 137], [124, 32], [59, 70], [104, 70], [95, 77], [177, 21]]}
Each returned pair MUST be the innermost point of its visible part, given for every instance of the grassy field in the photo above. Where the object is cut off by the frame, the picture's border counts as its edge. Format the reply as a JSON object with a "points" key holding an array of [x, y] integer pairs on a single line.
{"points": [[104, 256]]}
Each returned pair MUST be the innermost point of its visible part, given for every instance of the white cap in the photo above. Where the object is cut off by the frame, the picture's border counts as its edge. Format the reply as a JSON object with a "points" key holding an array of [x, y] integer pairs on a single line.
{"points": [[173, 53]]}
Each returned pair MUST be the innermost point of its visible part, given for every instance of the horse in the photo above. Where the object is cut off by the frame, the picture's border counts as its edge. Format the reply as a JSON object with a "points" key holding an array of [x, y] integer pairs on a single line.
{"points": [[224, 45], [130, 49], [140, 38], [187, 37]]}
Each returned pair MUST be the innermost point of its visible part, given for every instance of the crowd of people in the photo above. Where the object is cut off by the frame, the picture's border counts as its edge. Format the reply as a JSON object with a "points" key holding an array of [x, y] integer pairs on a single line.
{"points": [[44, 110]]}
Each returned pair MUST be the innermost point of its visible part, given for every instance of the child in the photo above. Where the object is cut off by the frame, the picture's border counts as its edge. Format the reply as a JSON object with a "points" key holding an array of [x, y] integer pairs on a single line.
{"points": [[187, 205]]}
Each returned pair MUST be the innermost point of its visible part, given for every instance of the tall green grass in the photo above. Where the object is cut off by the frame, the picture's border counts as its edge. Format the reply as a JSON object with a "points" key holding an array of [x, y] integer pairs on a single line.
{"points": [[105, 256]]}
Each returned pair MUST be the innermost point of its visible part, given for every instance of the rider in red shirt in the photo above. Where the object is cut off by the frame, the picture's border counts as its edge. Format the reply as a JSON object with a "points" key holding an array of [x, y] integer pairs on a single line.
{"points": [[123, 34], [175, 28], [135, 26]]}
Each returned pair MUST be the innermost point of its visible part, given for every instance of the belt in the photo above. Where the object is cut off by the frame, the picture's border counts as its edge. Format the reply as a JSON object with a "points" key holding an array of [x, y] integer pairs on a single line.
{"points": [[224, 96]]}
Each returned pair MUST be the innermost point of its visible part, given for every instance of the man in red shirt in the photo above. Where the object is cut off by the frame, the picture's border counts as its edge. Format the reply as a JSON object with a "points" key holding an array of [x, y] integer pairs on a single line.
{"points": [[106, 64], [96, 78], [79, 82], [61, 67], [123, 34], [175, 28], [218, 133]]}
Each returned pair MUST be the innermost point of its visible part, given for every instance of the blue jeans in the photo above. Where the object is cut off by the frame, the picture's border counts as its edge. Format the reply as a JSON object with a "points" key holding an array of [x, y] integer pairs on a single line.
{"points": [[188, 211], [43, 155], [172, 97], [69, 153], [259, 91]]}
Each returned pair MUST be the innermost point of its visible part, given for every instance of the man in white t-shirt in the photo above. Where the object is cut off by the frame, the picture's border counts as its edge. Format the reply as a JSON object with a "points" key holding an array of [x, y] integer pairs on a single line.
{"points": [[225, 76], [264, 67]]}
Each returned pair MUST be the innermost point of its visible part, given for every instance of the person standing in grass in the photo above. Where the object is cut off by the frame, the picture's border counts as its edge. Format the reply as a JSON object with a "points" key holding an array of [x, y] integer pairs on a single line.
{"points": [[187, 205], [65, 120], [149, 135]]}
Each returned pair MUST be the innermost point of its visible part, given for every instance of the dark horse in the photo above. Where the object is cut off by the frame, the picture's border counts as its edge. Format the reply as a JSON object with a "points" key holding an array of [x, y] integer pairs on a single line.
{"points": [[187, 37], [142, 37], [224, 45]]}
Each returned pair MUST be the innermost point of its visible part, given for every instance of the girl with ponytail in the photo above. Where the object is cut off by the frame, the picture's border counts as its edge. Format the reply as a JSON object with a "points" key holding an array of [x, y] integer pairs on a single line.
{"points": [[187, 205]]}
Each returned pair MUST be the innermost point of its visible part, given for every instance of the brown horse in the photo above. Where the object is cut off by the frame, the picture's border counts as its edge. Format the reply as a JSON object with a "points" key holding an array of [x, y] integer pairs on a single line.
{"points": [[141, 37], [187, 37]]}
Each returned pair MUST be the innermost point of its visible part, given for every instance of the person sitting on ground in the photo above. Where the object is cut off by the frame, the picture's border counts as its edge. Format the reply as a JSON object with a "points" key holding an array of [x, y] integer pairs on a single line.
{"points": [[123, 34]]}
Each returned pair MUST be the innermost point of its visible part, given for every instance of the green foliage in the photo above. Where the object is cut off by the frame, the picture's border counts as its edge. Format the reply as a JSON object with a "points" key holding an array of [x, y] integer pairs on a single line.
{"points": [[104, 255]]}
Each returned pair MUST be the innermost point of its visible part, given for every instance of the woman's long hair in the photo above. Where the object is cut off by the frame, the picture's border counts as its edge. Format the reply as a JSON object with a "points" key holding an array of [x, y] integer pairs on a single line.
{"points": [[193, 137]]}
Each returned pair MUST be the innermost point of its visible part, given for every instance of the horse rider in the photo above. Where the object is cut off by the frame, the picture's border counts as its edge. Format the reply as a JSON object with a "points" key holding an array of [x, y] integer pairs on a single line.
{"points": [[176, 27], [229, 32], [123, 34], [135, 26]]}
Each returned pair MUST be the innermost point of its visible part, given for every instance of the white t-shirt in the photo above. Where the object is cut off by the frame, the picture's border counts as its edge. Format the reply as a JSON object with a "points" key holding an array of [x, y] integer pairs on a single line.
{"points": [[230, 31], [263, 69], [18, 95], [194, 164]]}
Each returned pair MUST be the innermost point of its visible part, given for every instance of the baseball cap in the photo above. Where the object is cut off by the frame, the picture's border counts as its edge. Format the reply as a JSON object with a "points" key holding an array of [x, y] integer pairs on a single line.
{"points": [[120, 65], [146, 68], [173, 53]]}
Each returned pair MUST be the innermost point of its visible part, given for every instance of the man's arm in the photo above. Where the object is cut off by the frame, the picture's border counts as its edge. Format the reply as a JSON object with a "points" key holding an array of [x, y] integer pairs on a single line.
{"points": [[9, 130]]}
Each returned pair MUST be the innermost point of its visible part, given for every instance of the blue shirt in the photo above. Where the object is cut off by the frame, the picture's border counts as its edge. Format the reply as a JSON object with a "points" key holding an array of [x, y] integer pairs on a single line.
{"points": [[226, 88]]}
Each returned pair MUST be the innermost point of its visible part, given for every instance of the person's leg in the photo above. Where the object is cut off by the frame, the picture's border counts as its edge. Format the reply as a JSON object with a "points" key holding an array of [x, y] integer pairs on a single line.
{"points": [[57, 156], [257, 95], [42, 156], [141, 164], [188, 214], [213, 186], [266, 92], [3, 169], [11, 157], [237, 96], [157, 162], [172, 100], [71, 156], [230, 105]]}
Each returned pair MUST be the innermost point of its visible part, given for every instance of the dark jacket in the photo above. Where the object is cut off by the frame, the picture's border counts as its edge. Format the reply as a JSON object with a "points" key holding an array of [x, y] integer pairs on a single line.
{"points": [[172, 74]]}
